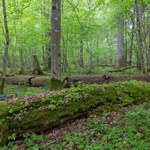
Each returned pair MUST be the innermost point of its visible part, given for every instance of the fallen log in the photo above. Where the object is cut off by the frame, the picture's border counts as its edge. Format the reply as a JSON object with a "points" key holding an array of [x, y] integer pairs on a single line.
{"points": [[97, 79], [49, 111], [29, 80], [74, 80]]}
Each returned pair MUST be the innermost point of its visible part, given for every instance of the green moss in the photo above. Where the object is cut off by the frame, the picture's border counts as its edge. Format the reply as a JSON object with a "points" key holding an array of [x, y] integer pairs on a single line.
{"points": [[52, 110], [55, 84]]}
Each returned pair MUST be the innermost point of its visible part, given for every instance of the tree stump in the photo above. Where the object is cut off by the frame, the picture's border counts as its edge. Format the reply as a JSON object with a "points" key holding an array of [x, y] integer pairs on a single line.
{"points": [[37, 70]]}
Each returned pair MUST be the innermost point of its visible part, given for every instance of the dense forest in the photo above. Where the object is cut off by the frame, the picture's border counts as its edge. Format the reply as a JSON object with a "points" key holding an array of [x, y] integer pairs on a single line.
{"points": [[92, 47]]}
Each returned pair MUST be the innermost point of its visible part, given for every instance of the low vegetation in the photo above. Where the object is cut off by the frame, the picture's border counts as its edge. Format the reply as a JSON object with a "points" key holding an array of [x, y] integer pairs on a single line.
{"points": [[126, 128], [36, 114]]}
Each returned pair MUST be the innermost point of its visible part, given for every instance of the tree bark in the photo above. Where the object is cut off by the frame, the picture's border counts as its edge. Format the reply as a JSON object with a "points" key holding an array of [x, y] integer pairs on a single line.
{"points": [[81, 54], [21, 62], [37, 70], [139, 36], [132, 39], [6, 47], [149, 51], [120, 60], [56, 40]]}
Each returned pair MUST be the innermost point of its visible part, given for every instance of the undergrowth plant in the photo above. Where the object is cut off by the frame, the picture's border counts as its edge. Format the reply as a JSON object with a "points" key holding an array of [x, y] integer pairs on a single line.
{"points": [[125, 131]]}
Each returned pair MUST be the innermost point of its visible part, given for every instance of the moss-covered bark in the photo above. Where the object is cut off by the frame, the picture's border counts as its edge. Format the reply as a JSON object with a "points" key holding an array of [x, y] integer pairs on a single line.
{"points": [[44, 114]]}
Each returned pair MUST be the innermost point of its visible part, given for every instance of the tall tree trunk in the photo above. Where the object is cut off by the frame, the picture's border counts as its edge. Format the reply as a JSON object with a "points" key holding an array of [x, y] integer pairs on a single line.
{"points": [[139, 36], [110, 49], [48, 51], [55, 50], [125, 41], [65, 64], [21, 62], [149, 51], [90, 61], [6, 47], [120, 60], [81, 54], [90, 53], [132, 39]]}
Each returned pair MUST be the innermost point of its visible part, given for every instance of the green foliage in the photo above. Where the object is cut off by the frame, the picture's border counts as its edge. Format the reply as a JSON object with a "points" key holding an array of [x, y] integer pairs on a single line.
{"points": [[43, 114], [23, 90], [129, 131]]}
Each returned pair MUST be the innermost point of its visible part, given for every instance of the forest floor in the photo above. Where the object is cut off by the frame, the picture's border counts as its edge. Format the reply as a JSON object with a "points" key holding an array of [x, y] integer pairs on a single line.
{"points": [[125, 128]]}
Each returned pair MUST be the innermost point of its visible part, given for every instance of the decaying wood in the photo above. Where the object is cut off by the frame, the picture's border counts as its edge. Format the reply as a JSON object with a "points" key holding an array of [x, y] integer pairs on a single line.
{"points": [[35, 81], [97, 79], [50, 110], [74, 80], [37, 70]]}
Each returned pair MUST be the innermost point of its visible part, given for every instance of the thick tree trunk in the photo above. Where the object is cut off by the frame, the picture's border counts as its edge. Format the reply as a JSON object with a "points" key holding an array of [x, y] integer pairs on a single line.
{"points": [[6, 47], [139, 36], [56, 39], [120, 60]]}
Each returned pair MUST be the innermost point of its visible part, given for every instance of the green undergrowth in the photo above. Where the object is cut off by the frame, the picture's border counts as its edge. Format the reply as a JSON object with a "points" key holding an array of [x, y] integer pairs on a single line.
{"points": [[130, 130], [23, 90], [43, 114]]}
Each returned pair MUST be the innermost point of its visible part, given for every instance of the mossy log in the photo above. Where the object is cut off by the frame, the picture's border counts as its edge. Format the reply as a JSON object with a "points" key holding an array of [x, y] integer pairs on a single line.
{"points": [[91, 79], [73, 80], [50, 111], [28, 80]]}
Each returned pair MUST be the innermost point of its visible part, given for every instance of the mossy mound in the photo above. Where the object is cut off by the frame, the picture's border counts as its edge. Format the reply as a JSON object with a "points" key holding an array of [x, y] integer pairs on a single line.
{"points": [[43, 114]]}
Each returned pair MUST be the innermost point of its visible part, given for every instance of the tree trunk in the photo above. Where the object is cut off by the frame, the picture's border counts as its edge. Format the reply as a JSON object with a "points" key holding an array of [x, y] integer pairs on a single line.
{"points": [[132, 39], [90, 53], [149, 51], [120, 60], [37, 70], [6, 47], [55, 50], [139, 36], [81, 54], [21, 62], [48, 52], [65, 65], [125, 41], [110, 49]]}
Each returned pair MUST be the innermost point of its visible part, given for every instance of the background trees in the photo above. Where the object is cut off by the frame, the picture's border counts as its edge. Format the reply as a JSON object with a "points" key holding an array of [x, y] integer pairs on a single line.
{"points": [[89, 34]]}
